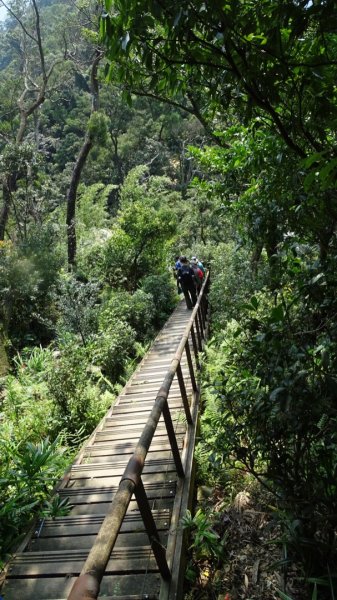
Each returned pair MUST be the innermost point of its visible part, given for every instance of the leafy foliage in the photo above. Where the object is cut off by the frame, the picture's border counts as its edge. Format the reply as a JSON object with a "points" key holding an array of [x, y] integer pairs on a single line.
{"points": [[77, 303], [28, 473], [272, 374]]}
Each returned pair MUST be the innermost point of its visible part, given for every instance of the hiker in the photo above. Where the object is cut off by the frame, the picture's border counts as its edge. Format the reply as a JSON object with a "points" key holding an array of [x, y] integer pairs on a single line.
{"points": [[187, 282], [177, 262], [198, 274], [177, 266], [194, 259]]}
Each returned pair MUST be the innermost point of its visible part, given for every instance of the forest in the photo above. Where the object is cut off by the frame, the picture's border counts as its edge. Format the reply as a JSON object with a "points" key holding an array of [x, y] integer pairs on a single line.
{"points": [[132, 131]]}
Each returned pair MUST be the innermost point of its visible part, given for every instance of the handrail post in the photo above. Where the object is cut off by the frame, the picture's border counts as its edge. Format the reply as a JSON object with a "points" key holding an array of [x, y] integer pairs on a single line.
{"points": [[190, 364], [195, 347], [173, 440], [202, 316], [151, 530], [204, 306], [201, 321], [198, 331], [184, 394]]}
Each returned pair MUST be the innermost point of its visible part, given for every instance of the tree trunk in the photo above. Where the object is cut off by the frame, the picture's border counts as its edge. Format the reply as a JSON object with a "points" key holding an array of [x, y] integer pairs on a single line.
{"points": [[71, 199], [6, 197], [79, 166]]}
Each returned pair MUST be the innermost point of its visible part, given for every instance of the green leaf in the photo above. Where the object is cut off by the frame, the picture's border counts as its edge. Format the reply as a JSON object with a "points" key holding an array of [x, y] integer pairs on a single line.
{"points": [[275, 393], [328, 169], [308, 181], [127, 97], [283, 595], [277, 314], [315, 157], [254, 302], [125, 41], [318, 581], [317, 278]]}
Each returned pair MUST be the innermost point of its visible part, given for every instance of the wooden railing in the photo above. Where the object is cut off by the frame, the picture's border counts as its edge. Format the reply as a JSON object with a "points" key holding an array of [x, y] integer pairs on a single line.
{"points": [[87, 585]]}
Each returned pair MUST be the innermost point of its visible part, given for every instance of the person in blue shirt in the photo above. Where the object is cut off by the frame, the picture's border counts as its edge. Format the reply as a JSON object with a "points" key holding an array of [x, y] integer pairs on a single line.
{"points": [[186, 280], [177, 263], [177, 266]]}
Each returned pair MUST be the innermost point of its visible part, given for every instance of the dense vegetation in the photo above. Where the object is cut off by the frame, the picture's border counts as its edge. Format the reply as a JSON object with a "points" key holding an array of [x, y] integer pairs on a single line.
{"points": [[80, 299], [146, 128]]}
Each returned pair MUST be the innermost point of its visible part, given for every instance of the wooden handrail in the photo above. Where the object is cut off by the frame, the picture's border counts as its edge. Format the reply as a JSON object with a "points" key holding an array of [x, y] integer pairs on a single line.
{"points": [[87, 585]]}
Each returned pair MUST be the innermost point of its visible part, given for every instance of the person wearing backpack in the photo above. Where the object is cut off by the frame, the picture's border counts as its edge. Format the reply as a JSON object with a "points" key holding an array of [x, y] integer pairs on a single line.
{"points": [[186, 280], [198, 273], [176, 267], [194, 259]]}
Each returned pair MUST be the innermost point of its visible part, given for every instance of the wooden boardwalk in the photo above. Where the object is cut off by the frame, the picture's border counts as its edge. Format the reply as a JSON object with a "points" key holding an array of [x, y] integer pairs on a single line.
{"points": [[52, 557]]}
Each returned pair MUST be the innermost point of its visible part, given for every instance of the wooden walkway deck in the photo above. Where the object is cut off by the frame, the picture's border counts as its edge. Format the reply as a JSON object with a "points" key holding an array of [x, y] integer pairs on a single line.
{"points": [[52, 557]]}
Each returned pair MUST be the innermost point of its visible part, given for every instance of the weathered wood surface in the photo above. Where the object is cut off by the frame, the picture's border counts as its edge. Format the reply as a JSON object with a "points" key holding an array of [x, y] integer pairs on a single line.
{"points": [[52, 557]]}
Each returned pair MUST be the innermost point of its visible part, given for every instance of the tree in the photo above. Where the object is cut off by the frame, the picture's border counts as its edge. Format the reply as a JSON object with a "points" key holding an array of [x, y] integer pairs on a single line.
{"points": [[36, 74], [265, 61], [260, 56], [144, 227], [95, 132]]}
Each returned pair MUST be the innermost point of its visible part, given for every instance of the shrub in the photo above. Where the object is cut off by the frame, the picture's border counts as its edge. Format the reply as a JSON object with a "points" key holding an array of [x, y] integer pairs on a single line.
{"points": [[27, 406], [272, 375], [78, 305], [112, 347], [232, 281], [76, 397], [163, 291], [27, 275], [135, 309], [28, 473]]}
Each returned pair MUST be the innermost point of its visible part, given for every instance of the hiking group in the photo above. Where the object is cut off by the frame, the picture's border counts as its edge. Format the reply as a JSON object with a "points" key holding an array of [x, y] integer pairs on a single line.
{"points": [[189, 274]]}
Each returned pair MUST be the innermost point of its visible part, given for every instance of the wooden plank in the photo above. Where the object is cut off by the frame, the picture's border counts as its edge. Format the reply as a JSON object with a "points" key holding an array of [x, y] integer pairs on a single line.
{"points": [[135, 405], [119, 447], [111, 453], [149, 396], [115, 480], [94, 508], [126, 419], [159, 489], [140, 387], [133, 432], [58, 563], [86, 540], [108, 458], [116, 587], [97, 470], [90, 524]]}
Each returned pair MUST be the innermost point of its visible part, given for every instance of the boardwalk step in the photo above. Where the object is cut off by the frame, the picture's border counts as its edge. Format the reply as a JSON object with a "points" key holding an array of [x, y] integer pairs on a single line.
{"points": [[89, 524], [133, 432], [98, 507], [153, 464], [123, 457], [78, 495], [61, 564], [115, 587], [85, 541], [118, 447]]}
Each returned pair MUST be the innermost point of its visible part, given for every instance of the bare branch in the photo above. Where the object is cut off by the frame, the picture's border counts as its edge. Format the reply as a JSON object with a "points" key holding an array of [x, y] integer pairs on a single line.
{"points": [[39, 42], [19, 21]]}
